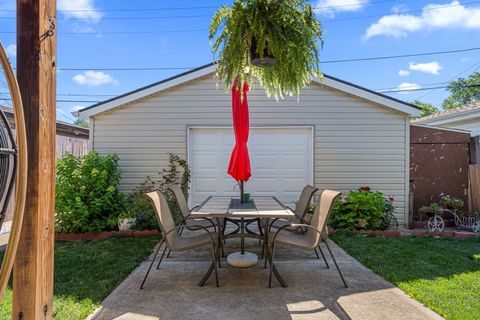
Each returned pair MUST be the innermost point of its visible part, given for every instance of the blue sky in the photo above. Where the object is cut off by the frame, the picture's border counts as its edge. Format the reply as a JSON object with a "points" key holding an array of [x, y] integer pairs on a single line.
{"points": [[93, 35]]}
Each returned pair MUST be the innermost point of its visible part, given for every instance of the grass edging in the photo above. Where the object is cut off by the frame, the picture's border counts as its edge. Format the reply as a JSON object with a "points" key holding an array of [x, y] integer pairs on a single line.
{"points": [[104, 235]]}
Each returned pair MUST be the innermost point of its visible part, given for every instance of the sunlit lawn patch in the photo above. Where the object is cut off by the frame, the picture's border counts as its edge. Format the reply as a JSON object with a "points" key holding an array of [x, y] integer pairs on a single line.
{"points": [[443, 274], [86, 272]]}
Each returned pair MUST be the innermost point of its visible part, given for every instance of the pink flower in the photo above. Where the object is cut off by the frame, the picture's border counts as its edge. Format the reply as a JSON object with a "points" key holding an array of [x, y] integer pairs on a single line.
{"points": [[391, 198], [364, 188]]}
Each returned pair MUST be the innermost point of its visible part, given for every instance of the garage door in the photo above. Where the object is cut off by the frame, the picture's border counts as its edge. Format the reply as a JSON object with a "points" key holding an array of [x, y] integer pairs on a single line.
{"points": [[281, 161]]}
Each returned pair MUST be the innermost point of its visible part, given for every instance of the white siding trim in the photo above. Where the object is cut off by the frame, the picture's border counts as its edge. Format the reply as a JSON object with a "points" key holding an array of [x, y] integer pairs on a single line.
{"points": [[357, 91], [407, 172], [361, 93], [146, 92], [91, 133], [449, 118]]}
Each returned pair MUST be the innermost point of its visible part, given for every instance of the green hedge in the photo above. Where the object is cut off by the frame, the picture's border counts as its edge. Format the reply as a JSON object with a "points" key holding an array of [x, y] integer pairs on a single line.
{"points": [[87, 198]]}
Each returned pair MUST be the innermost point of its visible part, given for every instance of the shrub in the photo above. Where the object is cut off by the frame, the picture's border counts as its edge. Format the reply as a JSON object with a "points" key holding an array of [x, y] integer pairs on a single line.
{"points": [[140, 208], [359, 209], [389, 221], [87, 197]]}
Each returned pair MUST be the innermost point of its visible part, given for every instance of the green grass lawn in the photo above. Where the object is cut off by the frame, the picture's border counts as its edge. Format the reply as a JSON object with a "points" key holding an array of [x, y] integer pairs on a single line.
{"points": [[443, 274], [86, 272]]}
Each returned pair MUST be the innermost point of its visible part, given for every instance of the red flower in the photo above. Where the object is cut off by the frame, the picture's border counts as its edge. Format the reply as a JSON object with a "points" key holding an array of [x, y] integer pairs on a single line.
{"points": [[391, 198], [364, 188]]}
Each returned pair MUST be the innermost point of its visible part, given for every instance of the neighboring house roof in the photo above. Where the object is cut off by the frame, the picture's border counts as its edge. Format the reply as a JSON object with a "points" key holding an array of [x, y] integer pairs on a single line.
{"points": [[64, 128], [467, 111], [182, 78]]}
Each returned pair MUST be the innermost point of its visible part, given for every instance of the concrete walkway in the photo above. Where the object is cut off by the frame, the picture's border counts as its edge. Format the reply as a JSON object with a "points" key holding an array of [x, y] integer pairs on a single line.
{"points": [[5, 234], [314, 291]]}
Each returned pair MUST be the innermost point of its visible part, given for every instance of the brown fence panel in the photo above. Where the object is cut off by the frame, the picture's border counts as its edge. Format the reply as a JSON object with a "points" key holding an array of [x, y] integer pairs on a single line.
{"points": [[439, 161]]}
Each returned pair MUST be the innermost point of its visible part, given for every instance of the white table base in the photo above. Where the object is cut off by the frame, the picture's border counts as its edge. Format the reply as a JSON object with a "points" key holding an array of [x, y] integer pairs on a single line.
{"points": [[245, 260]]}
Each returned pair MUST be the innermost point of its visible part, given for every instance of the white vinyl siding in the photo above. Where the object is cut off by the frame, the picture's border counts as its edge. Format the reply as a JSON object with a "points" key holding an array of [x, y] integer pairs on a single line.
{"points": [[356, 142]]}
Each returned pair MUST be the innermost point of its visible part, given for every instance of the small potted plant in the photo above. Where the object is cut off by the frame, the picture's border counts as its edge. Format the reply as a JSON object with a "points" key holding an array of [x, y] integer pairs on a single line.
{"points": [[433, 212], [274, 41], [126, 220], [451, 203]]}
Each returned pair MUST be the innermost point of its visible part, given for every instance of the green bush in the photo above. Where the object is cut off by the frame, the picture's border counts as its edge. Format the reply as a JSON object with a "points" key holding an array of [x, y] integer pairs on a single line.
{"points": [[87, 197], [359, 209], [389, 220], [140, 208]]}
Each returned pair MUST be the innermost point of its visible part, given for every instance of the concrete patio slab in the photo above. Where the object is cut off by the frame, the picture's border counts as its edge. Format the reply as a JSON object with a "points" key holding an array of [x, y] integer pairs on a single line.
{"points": [[314, 292], [5, 234]]}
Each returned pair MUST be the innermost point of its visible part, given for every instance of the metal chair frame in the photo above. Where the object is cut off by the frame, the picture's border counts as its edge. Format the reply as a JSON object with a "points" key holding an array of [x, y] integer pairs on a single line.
{"points": [[306, 226], [179, 227]]}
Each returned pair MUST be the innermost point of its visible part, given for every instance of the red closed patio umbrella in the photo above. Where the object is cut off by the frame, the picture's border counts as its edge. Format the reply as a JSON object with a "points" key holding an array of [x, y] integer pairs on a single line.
{"points": [[239, 166]]}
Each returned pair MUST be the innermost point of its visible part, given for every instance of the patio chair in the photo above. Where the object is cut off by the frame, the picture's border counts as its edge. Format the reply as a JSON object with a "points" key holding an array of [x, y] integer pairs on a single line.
{"points": [[174, 241], [315, 232], [191, 224], [300, 212]]}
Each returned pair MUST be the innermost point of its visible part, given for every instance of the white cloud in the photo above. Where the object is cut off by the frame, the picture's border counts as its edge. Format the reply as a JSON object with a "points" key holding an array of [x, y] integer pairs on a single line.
{"points": [[464, 60], [12, 51], [430, 67], [94, 78], [330, 7], [81, 29], [79, 9], [404, 87], [434, 16], [399, 7], [403, 73]]}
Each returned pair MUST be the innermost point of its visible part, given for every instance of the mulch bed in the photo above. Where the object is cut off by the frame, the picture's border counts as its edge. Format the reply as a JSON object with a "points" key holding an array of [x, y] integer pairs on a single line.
{"points": [[104, 235]]}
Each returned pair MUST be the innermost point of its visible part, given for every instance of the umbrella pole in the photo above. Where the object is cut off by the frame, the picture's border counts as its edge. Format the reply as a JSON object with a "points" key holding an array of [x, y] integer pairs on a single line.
{"points": [[241, 192]]}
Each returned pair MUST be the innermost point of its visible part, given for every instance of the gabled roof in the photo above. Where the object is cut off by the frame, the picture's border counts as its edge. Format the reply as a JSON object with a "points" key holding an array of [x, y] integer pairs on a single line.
{"points": [[179, 79], [459, 113]]}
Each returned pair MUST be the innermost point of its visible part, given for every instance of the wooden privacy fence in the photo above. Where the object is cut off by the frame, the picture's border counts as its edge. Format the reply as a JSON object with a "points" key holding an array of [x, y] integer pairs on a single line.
{"points": [[76, 146], [439, 160], [70, 143], [474, 188]]}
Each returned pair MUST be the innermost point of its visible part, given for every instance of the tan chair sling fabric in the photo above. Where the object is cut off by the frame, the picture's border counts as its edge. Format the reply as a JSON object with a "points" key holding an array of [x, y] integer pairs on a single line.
{"points": [[164, 217], [304, 201], [181, 200]]}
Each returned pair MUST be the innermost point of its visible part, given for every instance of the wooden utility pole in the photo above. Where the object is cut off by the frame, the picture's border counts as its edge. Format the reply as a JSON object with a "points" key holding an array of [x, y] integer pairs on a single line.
{"points": [[36, 73]]}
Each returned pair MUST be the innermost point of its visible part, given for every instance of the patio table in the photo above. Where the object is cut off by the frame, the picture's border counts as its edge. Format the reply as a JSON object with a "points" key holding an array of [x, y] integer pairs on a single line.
{"points": [[262, 207]]}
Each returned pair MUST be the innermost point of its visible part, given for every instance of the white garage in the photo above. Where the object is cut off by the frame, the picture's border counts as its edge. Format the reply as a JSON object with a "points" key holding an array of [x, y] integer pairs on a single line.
{"points": [[281, 160], [337, 135]]}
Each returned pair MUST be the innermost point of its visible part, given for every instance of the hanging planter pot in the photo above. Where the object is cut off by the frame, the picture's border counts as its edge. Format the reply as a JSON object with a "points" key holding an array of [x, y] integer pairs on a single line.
{"points": [[251, 36], [266, 59]]}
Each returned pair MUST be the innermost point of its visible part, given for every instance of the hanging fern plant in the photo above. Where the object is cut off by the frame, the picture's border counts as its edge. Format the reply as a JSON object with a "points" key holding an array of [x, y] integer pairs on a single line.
{"points": [[284, 33]]}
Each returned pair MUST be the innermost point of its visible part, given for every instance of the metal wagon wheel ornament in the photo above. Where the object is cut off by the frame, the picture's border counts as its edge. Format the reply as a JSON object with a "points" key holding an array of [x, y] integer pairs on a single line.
{"points": [[435, 223], [13, 170]]}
